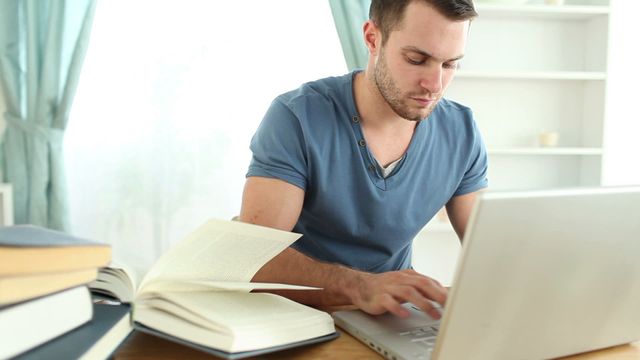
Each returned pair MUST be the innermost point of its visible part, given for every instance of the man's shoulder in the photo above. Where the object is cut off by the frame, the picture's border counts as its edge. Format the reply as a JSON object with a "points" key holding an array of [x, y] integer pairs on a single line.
{"points": [[334, 89], [449, 113], [453, 107], [452, 117]]}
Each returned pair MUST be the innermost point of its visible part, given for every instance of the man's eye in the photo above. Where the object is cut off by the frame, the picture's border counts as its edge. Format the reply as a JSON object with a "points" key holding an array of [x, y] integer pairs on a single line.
{"points": [[414, 61], [450, 65]]}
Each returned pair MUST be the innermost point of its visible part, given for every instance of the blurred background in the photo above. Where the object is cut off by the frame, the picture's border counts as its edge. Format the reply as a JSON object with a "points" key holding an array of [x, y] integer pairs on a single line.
{"points": [[171, 92]]}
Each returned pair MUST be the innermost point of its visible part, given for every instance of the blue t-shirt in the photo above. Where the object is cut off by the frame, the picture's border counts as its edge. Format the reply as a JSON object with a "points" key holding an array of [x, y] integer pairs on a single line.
{"points": [[311, 137]]}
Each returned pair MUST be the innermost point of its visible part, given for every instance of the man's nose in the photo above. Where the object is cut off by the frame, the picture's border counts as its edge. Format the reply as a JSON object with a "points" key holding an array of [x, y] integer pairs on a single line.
{"points": [[431, 78]]}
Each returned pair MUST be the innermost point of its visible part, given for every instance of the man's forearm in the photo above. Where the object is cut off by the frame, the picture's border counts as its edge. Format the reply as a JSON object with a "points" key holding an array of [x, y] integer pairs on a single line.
{"points": [[339, 283]]}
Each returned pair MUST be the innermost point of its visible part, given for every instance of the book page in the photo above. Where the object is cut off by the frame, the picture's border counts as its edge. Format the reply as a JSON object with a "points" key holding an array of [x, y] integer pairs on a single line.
{"points": [[118, 280], [219, 250], [232, 309], [212, 285], [134, 273], [232, 321]]}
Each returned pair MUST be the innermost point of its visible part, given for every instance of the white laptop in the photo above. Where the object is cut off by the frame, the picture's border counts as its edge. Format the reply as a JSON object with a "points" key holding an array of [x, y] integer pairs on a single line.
{"points": [[541, 274]]}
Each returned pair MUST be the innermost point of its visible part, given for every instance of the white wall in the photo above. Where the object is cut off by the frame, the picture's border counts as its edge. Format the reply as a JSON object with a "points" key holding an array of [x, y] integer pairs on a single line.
{"points": [[435, 254], [622, 145]]}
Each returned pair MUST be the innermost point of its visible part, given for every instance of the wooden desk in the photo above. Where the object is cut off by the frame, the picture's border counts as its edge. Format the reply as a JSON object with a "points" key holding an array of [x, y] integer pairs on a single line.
{"points": [[141, 346]]}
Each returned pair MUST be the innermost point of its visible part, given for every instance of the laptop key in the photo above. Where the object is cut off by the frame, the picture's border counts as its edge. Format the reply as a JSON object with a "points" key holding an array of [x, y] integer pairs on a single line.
{"points": [[424, 332], [425, 343], [420, 332], [422, 339]]}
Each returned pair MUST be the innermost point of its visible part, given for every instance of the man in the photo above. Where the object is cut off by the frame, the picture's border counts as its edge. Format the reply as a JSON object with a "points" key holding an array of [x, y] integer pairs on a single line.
{"points": [[358, 164]]}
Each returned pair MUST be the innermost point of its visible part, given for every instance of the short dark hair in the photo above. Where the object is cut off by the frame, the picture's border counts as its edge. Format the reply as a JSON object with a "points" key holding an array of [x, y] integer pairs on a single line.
{"points": [[387, 14]]}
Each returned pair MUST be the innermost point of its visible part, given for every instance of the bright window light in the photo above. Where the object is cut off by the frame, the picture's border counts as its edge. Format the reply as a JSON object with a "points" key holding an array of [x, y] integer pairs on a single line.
{"points": [[170, 95]]}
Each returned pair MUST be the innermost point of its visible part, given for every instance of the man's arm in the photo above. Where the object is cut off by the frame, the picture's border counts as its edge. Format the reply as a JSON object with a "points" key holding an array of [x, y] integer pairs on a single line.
{"points": [[459, 209], [277, 204]]}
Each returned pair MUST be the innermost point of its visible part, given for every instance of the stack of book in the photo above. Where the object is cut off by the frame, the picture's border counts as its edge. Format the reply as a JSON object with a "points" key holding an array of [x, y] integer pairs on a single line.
{"points": [[45, 304]]}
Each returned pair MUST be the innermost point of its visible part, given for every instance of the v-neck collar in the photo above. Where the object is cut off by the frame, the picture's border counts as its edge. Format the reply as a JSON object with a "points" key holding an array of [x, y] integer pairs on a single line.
{"points": [[368, 160]]}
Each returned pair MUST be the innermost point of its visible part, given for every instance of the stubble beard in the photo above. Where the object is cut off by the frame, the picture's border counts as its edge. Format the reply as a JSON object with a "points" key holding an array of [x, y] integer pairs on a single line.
{"points": [[393, 95]]}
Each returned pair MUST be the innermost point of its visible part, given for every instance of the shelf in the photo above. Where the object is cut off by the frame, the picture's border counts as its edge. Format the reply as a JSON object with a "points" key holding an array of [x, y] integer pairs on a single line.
{"points": [[532, 75], [555, 12], [574, 151]]}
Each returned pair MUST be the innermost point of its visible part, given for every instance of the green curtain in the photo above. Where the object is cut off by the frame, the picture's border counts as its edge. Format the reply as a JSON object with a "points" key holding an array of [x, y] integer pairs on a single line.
{"points": [[349, 16], [42, 47]]}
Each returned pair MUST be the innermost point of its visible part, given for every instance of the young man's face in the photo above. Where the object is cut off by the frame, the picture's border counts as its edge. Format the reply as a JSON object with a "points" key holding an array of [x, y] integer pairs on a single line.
{"points": [[419, 59]]}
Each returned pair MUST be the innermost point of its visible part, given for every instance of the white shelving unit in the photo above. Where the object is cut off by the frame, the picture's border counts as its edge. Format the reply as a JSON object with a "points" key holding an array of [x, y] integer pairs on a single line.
{"points": [[546, 151], [532, 75], [534, 68], [578, 10]]}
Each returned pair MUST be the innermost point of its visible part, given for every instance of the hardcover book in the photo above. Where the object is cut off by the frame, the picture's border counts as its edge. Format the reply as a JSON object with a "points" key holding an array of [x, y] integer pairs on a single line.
{"points": [[199, 293], [97, 339], [35, 261], [29, 250], [26, 325]]}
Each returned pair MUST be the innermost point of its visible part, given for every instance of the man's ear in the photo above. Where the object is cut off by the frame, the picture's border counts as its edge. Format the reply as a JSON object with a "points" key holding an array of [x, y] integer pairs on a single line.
{"points": [[372, 37]]}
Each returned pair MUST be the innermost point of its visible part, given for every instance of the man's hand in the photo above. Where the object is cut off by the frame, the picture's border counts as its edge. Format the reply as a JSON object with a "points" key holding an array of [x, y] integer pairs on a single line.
{"points": [[379, 293]]}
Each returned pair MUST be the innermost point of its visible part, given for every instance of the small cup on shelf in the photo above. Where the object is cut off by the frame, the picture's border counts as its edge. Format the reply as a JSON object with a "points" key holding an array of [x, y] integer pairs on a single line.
{"points": [[548, 138]]}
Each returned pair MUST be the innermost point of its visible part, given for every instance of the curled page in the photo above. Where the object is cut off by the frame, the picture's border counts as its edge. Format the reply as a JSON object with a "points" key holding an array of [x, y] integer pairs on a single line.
{"points": [[219, 250], [212, 285]]}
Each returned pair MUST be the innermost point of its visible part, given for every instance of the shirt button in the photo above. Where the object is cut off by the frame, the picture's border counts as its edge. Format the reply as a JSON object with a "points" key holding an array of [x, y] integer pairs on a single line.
{"points": [[355, 119], [362, 142], [371, 167]]}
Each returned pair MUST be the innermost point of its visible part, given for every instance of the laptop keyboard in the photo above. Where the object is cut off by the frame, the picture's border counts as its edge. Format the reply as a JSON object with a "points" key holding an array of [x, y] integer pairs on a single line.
{"points": [[415, 343], [423, 336]]}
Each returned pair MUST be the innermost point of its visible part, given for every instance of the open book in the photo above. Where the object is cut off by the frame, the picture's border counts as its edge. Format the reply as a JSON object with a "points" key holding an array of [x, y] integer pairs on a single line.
{"points": [[198, 293]]}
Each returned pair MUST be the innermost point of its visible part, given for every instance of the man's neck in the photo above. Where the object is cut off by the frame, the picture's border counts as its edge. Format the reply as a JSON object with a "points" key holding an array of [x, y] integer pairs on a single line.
{"points": [[375, 112], [387, 135]]}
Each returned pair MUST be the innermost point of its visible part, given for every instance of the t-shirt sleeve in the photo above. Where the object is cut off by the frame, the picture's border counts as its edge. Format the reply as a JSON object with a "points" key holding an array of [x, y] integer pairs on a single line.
{"points": [[475, 177], [278, 147]]}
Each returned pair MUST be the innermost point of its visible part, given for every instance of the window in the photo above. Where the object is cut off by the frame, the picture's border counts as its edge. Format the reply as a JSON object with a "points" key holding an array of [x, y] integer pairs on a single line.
{"points": [[170, 95]]}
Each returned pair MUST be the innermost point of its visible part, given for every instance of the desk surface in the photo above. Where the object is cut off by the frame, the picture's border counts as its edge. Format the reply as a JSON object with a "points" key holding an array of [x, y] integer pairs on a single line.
{"points": [[143, 346]]}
